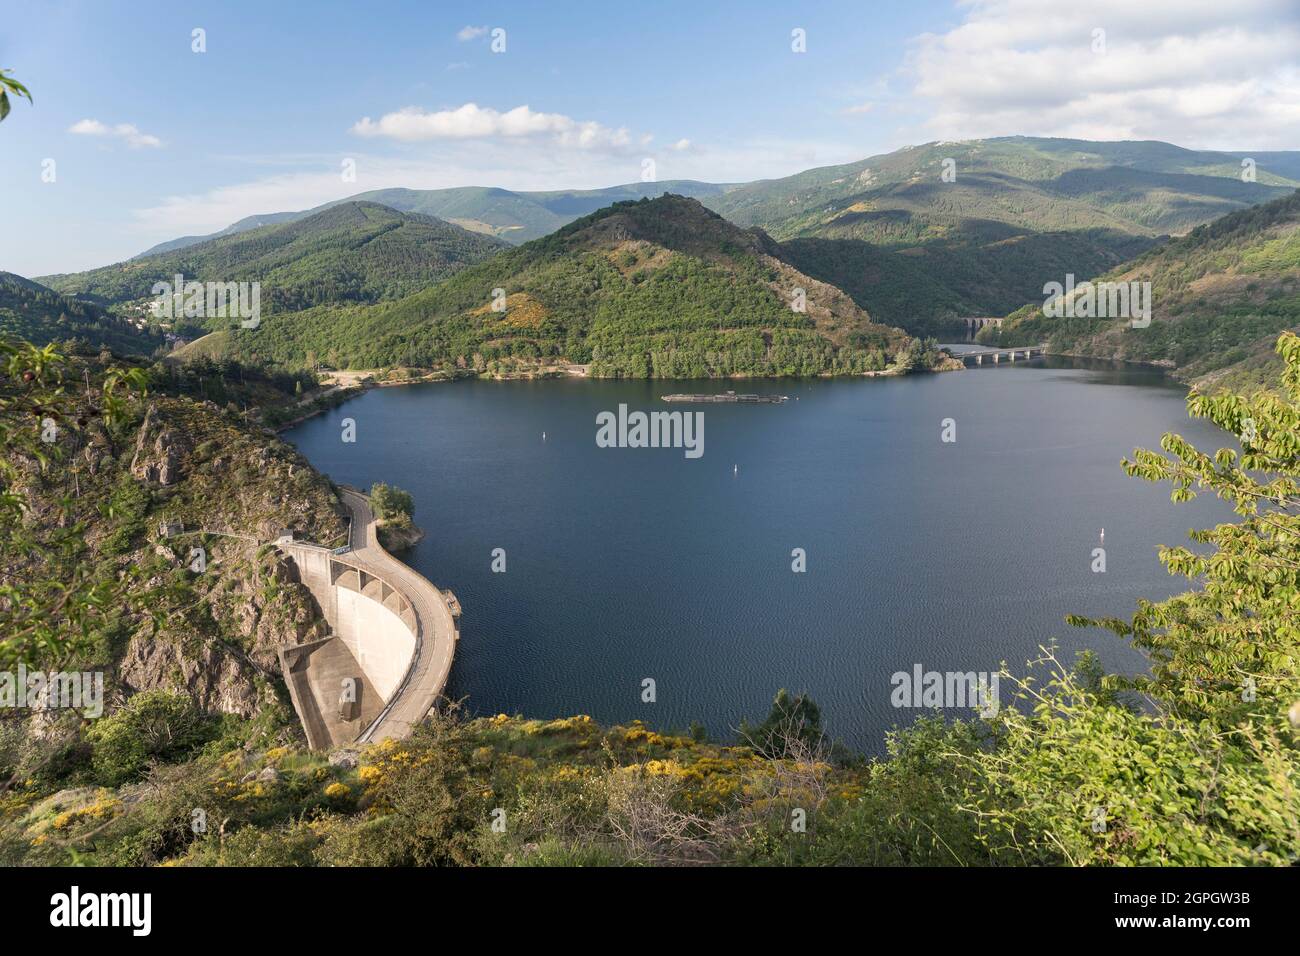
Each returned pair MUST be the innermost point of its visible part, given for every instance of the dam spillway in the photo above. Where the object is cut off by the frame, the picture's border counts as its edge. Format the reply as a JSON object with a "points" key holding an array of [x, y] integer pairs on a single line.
{"points": [[392, 639], [374, 631]]}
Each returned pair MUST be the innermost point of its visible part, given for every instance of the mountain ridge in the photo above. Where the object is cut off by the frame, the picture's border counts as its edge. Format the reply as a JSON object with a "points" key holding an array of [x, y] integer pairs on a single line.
{"points": [[796, 205]]}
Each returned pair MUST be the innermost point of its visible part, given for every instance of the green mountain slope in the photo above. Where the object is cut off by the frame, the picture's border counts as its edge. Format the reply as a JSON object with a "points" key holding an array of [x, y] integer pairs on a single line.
{"points": [[37, 314], [923, 288], [655, 288], [1220, 296], [913, 249], [353, 252]]}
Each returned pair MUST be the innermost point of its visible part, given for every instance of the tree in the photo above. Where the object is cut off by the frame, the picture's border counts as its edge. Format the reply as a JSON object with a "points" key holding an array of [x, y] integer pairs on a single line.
{"points": [[1208, 774], [154, 725], [1239, 636], [391, 503], [792, 719], [46, 418], [917, 356]]}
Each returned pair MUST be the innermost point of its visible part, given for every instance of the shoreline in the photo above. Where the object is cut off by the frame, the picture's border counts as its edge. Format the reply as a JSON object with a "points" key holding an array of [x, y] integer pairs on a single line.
{"points": [[362, 383]]}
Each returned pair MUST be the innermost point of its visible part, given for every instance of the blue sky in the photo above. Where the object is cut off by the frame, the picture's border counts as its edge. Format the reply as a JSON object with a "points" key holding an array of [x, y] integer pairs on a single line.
{"points": [[151, 140]]}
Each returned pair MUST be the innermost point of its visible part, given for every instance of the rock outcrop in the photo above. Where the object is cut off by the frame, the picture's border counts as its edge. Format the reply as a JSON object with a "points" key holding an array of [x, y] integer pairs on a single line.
{"points": [[257, 606], [159, 448]]}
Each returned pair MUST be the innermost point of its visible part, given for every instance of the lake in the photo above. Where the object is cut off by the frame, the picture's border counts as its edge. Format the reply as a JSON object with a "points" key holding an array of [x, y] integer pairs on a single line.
{"points": [[623, 564]]}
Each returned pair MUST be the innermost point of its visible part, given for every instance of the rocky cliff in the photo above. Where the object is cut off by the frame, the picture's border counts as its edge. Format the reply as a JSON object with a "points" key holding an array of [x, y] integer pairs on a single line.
{"points": [[182, 504]]}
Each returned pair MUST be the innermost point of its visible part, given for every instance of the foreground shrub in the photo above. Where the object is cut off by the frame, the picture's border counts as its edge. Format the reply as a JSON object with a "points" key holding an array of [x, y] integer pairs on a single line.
{"points": [[154, 725]]}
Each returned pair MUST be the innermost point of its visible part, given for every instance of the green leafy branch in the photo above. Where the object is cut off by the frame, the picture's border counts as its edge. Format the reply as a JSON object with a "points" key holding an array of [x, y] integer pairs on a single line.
{"points": [[9, 85]]}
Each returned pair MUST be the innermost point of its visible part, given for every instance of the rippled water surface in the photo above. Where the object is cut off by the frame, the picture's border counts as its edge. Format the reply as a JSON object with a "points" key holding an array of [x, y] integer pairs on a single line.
{"points": [[624, 564]]}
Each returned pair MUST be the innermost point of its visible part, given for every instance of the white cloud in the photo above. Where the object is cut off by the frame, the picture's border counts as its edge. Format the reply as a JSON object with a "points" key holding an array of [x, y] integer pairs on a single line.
{"points": [[472, 121], [88, 127], [465, 34], [124, 131], [1193, 72], [860, 108], [201, 213], [682, 145]]}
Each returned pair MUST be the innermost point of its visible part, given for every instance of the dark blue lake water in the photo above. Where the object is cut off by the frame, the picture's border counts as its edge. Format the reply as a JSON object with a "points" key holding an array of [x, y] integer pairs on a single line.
{"points": [[626, 563]]}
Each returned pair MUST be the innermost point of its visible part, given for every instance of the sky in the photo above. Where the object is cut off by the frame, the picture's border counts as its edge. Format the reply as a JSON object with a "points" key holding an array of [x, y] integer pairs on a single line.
{"points": [[137, 136]]}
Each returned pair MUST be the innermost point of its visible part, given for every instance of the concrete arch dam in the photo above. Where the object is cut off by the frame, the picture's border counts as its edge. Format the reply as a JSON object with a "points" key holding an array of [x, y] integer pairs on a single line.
{"points": [[393, 636]]}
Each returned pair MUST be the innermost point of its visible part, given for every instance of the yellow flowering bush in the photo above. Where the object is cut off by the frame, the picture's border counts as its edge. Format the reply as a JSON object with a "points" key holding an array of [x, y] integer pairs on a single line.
{"points": [[95, 812]]}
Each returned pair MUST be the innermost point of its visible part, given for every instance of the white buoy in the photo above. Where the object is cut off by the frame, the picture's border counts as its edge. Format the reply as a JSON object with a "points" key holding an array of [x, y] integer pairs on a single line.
{"points": [[543, 436], [735, 469]]}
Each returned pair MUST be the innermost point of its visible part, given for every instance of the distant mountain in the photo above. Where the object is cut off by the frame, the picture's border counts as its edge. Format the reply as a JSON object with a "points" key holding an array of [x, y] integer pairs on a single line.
{"points": [[514, 216], [913, 248], [351, 252], [522, 216], [1003, 187], [494, 212], [1220, 296], [37, 314], [653, 288]]}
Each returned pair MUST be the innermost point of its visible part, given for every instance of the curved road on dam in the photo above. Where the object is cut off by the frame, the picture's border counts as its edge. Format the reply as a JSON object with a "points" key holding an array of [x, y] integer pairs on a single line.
{"points": [[435, 639]]}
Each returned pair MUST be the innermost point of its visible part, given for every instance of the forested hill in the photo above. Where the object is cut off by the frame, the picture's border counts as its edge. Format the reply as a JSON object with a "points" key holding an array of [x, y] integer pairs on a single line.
{"points": [[36, 314], [1220, 295], [353, 252], [654, 288], [913, 247]]}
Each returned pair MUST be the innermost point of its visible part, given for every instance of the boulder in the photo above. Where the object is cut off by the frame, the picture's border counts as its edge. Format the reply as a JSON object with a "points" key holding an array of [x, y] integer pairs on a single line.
{"points": [[346, 759]]}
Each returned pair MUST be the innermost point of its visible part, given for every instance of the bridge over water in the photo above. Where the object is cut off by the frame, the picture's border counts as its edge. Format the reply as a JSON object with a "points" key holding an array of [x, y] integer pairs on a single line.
{"points": [[982, 354]]}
